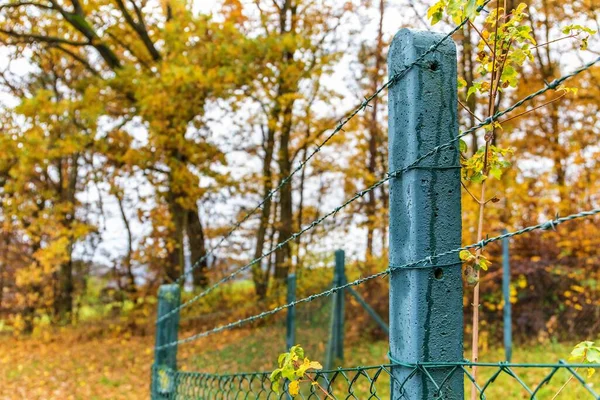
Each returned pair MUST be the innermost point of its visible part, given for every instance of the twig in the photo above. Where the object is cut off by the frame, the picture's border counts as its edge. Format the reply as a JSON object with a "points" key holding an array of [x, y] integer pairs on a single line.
{"points": [[563, 386], [482, 38], [554, 41], [319, 386], [469, 111], [534, 108], [468, 191]]}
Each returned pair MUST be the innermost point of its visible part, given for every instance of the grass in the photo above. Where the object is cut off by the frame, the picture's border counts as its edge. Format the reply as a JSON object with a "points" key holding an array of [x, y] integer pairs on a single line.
{"points": [[258, 350]]}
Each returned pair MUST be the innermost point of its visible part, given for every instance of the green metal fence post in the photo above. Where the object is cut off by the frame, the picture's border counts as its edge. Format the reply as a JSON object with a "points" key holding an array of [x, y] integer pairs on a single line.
{"points": [[165, 359], [335, 348], [426, 312], [340, 266], [506, 295], [290, 337]]}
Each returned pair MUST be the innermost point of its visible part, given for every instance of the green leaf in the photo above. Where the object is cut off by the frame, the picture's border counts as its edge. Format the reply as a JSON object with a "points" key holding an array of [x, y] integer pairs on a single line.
{"points": [[436, 12], [275, 375], [483, 263], [464, 255], [471, 90], [496, 173], [275, 386], [578, 352], [462, 146], [288, 372], [478, 177], [593, 355], [299, 351]]}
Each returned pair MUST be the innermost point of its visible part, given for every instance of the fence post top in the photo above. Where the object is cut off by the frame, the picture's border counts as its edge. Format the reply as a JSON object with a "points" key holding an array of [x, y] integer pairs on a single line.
{"points": [[425, 41], [168, 291], [420, 38]]}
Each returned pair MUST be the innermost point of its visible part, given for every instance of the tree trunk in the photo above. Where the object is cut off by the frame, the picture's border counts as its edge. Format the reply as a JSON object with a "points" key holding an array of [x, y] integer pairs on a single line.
{"points": [[68, 174], [285, 226], [374, 135], [258, 273], [130, 287], [301, 203], [175, 258], [195, 234], [64, 299]]}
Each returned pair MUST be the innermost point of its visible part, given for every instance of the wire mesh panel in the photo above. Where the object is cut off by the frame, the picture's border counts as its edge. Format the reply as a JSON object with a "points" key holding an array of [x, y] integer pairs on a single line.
{"points": [[497, 380]]}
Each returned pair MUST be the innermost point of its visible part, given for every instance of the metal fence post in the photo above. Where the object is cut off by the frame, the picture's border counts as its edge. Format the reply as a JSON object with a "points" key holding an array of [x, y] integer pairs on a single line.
{"points": [[340, 267], [290, 337], [165, 359], [335, 348], [426, 311], [506, 295]]}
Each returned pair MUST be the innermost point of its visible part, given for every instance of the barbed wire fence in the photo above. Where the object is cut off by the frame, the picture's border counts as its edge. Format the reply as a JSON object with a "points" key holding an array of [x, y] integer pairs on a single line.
{"points": [[435, 377]]}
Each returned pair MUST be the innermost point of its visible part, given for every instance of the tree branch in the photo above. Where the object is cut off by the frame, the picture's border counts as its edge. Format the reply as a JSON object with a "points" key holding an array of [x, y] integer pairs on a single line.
{"points": [[31, 38], [26, 3], [139, 27], [77, 58]]}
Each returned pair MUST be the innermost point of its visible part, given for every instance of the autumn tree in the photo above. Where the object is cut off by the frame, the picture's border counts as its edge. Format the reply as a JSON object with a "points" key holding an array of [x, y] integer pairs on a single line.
{"points": [[300, 38], [369, 131], [124, 63]]}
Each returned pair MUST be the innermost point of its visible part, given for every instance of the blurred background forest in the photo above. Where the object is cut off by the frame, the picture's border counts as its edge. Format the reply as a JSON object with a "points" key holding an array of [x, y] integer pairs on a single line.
{"points": [[135, 133]]}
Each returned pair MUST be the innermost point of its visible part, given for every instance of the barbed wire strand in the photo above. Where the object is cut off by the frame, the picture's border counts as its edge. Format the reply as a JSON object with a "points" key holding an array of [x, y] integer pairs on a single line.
{"points": [[338, 128], [550, 86], [424, 263]]}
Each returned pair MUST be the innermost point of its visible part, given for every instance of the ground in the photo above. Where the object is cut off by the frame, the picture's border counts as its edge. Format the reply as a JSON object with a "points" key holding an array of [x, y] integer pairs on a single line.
{"points": [[75, 364]]}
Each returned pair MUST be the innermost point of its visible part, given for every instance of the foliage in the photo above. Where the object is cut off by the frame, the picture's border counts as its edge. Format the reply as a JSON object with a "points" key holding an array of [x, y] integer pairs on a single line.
{"points": [[293, 367], [586, 352], [493, 163]]}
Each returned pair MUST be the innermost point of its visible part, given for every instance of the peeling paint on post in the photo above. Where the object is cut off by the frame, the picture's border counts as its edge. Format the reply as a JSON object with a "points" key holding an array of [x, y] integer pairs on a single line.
{"points": [[426, 311], [165, 359]]}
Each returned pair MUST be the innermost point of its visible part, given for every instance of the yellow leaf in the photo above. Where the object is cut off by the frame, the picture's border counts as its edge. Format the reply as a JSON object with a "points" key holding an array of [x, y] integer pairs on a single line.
{"points": [[294, 388], [590, 372], [315, 365]]}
